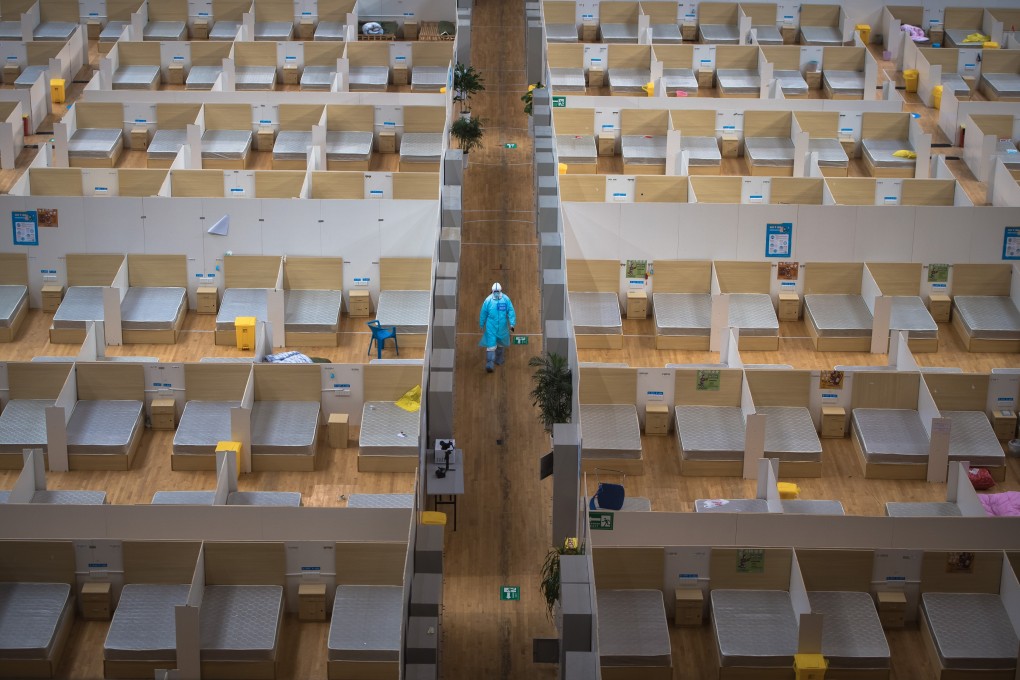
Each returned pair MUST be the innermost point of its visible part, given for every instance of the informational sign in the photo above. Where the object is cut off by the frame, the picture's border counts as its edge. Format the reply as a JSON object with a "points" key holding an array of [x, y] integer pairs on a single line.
{"points": [[1011, 243], [779, 239], [559, 102], [509, 592], [637, 269], [520, 339], [708, 381], [788, 271], [26, 228], [938, 273], [600, 521], [750, 561], [510, 145]]}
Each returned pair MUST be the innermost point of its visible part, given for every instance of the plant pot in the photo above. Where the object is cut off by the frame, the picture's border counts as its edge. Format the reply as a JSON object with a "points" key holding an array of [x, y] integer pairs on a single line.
{"points": [[558, 618], [465, 115], [531, 126], [466, 160]]}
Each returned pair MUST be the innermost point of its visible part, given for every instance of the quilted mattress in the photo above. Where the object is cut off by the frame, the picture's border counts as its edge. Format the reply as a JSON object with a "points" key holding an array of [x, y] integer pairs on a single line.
{"points": [[254, 77], [388, 430], [292, 145], [828, 36], [629, 79], [989, 317], [561, 33], [880, 153], [674, 79], [380, 500], [29, 75], [643, 149], [317, 77], [852, 635], [329, 30], [710, 432], [790, 434], [702, 151], [682, 313], [830, 152], [773, 152], [421, 147], [619, 33], [30, 616], [754, 628], [224, 30], [240, 623], [369, 78], [54, 30], [768, 34], [80, 305], [576, 149], [4, 495], [738, 81], [753, 314], [731, 505], [890, 435], [274, 30], [10, 30], [348, 146], [183, 498], [74, 497], [312, 311], [610, 431], [719, 34], [841, 316], [1003, 84], [202, 77], [151, 308], [909, 314], [812, 507], [165, 30], [970, 630], [956, 37], [136, 77], [632, 628], [922, 509], [12, 300], [408, 310], [847, 83], [143, 626], [428, 78], [112, 30], [104, 427], [23, 425], [954, 82], [166, 143], [792, 82], [288, 499], [241, 302], [204, 424], [284, 427], [95, 142], [666, 34], [595, 313], [228, 144], [972, 439], [366, 623], [567, 80]]}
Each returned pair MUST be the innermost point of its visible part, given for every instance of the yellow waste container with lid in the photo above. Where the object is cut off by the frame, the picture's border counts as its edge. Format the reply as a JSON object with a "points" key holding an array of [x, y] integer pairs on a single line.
{"points": [[244, 328], [432, 517], [910, 79], [57, 90], [936, 95], [809, 666], [865, 31], [234, 447]]}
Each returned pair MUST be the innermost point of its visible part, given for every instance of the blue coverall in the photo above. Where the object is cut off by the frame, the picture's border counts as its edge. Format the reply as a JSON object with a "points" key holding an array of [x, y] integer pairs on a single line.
{"points": [[496, 319]]}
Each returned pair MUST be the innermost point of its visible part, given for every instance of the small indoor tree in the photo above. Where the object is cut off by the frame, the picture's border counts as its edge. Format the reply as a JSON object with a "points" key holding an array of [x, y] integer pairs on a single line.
{"points": [[467, 82], [529, 96], [549, 583], [468, 133], [553, 389]]}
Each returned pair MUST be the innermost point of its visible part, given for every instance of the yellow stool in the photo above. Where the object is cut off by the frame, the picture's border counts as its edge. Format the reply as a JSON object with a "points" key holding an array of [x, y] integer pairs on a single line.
{"points": [[231, 446], [244, 328], [809, 666], [430, 517], [788, 490], [57, 90]]}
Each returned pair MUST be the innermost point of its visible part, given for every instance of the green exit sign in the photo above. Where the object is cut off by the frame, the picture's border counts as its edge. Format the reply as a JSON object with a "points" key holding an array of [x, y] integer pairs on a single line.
{"points": [[510, 592], [520, 339], [600, 521], [559, 102], [510, 145]]}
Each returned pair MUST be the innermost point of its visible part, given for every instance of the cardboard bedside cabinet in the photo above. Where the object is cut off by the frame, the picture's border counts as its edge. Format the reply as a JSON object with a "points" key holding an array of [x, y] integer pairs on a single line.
{"points": [[400, 75], [291, 76], [359, 304], [337, 430], [833, 422], [52, 294], [789, 306], [164, 411], [705, 77], [312, 601], [95, 601], [386, 142], [892, 608], [1004, 424], [939, 306], [596, 77], [637, 304], [606, 144], [730, 147], [657, 420], [175, 74], [208, 299], [689, 606]]}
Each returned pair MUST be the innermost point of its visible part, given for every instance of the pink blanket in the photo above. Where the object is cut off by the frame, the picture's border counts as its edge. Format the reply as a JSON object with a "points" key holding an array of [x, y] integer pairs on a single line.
{"points": [[1006, 504]]}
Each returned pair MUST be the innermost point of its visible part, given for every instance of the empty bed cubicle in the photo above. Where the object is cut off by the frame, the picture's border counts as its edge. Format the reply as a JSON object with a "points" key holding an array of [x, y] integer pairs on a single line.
{"points": [[13, 294]]}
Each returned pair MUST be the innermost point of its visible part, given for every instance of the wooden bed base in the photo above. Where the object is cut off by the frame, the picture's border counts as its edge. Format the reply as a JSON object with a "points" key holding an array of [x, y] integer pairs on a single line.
{"points": [[642, 169], [190, 462], [831, 94], [119, 669], [67, 336], [831, 344], [43, 668], [992, 96], [885, 172], [227, 163], [704, 169], [348, 165], [158, 164], [270, 462], [16, 461], [767, 170], [737, 95], [582, 168], [980, 344], [923, 345], [403, 166], [637, 672], [362, 670], [88, 162], [628, 466], [956, 673], [239, 670], [887, 470], [758, 343], [160, 336], [8, 333], [798, 468], [685, 342], [592, 341], [858, 673], [710, 468], [290, 165], [370, 463], [749, 672], [830, 171], [312, 339], [105, 461]]}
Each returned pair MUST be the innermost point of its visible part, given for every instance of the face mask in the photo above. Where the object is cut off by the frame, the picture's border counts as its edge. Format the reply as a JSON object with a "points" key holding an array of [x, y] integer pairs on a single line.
{"points": [[497, 295]]}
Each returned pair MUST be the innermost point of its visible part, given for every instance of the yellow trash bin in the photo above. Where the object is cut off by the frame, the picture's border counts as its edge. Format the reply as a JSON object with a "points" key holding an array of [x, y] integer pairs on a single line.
{"points": [[244, 327], [865, 31], [430, 517], [231, 446], [562, 168], [57, 90], [788, 490], [809, 666], [936, 95], [910, 79]]}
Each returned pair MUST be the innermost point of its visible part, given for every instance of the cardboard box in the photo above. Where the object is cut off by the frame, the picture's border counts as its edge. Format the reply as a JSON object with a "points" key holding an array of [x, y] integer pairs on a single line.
{"points": [[386, 142], [833, 422], [95, 601], [164, 412], [940, 307], [789, 306], [637, 304], [337, 432], [689, 606], [358, 303], [656, 419], [52, 295], [312, 601], [208, 299], [606, 144]]}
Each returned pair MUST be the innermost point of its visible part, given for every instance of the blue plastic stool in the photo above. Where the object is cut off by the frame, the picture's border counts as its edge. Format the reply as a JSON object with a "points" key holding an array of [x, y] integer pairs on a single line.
{"points": [[379, 336]]}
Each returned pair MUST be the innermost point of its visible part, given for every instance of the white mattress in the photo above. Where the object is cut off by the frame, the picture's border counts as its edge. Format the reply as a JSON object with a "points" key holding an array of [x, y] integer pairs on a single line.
{"points": [[610, 431], [889, 435], [628, 80], [183, 498], [12, 300], [280, 499], [366, 623], [567, 80], [428, 78], [369, 78], [1003, 84], [312, 311], [226, 144], [989, 317], [54, 30], [632, 628], [942, 509], [30, 616], [909, 314], [254, 77], [348, 146], [970, 630], [292, 145], [576, 149], [109, 427], [838, 315], [165, 30], [683, 313], [317, 77], [666, 34], [719, 34], [166, 143], [753, 314], [561, 33], [329, 30], [847, 83], [136, 77], [240, 623], [619, 33], [143, 626], [880, 153], [224, 30], [68, 497], [408, 310], [284, 428], [80, 305], [791, 82], [202, 77], [23, 425], [790, 434], [95, 142], [674, 79], [773, 152], [241, 302], [710, 432], [828, 36], [204, 424], [972, 439], [754, 628], [595, 313], [799, 506], [738, 81], [852, 634], [643, 149], [388, 430], [151, 308], [421, 147], [731, 505], [830, 152], [274, 30]]}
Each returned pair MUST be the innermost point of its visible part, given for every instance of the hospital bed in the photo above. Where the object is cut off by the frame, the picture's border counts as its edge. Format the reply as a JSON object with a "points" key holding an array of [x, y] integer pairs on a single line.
{"points": [[68, 497], [95, 147], [344, 149], [380, 500], [769, 156], [54, 31], [610, 431], [365, 630], [1000, 86], [803, 506], [317, 78], [142, 634], [330, 30], [312, 311], [13, 308], [731, 505], [844, 318], [239, 630], [852, 634], [164, 31], [420, 151], [81, 304], [825, 36], [259, 78], [274, 31], [578, 152], [202, 77], [567, 80], [880, 161], [684, 314], [618, 33], [23, 425], [954, 82], [164, 146], [561, 33], [137, 77], [290, 150], [704, 156], [711, 439], [284, 435], [203, 425], [388, 432], [936, 509], [428, 78], [408, 310], [972, 439], [35, 622], [792, 83], [10, 31], [226, 149], [755, 630], [909, 314], [106, 429], [224, 30], [790, 435], [968, 633], [29, 75], [633, 632], [957, 37], [843, 84], [596, 314], [680, 79], [643, 154], [666, 34], [986, 317], [628, 81], [768, 34], [153, 314], [719, 34], [738, 82], [754, 315], [891, 437], [369, 78], [252, 302], [280, 499], [832, 158]]}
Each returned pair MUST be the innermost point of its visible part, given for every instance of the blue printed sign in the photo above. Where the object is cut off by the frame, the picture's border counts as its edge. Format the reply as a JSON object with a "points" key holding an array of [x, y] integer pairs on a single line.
{"points": [[26, 228], [1010, 243], [779, 239]]}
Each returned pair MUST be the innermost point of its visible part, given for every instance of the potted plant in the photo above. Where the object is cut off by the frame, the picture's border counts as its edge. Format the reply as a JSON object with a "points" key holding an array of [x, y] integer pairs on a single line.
{"points": [[469, 133], [529, 96], [467, 82], [553, 389], [549, 584]]}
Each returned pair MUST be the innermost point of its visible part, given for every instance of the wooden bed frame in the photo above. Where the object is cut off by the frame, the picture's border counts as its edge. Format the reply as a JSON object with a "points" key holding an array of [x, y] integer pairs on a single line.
{"points": [[609, 385], [158, 271], [735, 57], [781, 387], [98, 115], [728, 394], [247, 271], [14, 272], [886, 390], [228, 117], [209, 382], [748, 277], [998, 61], [982, 279], [683, 276], [109, 381], [85, 270], [598, 276], [767, 124], [834, 278], [842, 59], [313, 273], [877, 125], [350, 118], [389, 382], [644, 122], [293, 383]]}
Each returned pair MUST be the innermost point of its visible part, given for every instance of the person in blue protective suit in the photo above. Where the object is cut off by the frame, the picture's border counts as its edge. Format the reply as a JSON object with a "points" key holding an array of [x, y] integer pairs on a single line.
{"points": [[497, 321]]}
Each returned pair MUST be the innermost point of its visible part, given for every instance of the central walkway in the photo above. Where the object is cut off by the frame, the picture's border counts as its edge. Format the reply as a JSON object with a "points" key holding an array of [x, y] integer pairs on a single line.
{"points": [[503, 530]]}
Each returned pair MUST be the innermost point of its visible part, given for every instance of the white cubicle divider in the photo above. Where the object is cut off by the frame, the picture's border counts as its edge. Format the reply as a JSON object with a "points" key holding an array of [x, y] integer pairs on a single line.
{"points": [[57, 417], [1003, 189], [113, 296], [31, 479], [240, 421], [920, 142], [881, 310], [938, 429], [187, 624], [274, 310], [729, 353], [809, 632], [226, 476], [720, 314], [900, 356], [754, 432], [959, 490], [768, 483]]}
